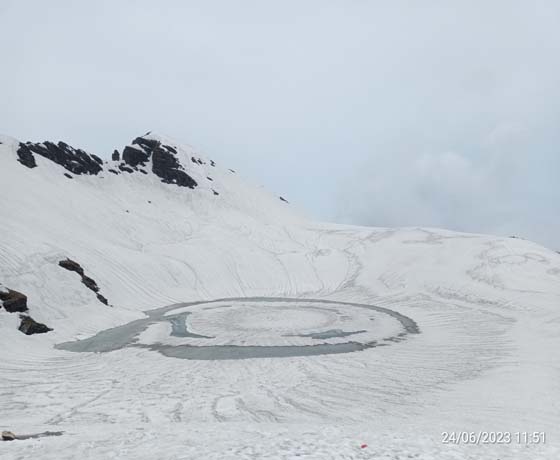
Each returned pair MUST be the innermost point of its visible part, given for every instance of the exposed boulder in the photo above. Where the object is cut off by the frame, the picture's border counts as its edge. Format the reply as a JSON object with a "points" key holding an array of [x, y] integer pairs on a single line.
{"points": [[8, 436], [74, 160], [29, 326], [283, 199], [12, 301], [116, 156]]}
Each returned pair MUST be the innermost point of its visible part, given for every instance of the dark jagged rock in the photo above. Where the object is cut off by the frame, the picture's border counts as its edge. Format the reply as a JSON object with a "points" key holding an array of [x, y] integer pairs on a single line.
{"points": [[215, 193], [197, 161], [72, 266], [29, 326], [133, 156], [25, 157], [90, 283], [167, 167], [13, 301], [149, 144], [169, 148], [209, 178], [126, 168], [283, 199], [74, 160], [232, 170], [165, 164], [164, 157], [212, 163], [8, 435], [102, 299]]}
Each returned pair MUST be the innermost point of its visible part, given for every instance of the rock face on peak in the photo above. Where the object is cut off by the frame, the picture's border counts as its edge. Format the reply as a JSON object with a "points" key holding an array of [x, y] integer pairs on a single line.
{"points": [[135, 157], [165, 164], [74, 160]]}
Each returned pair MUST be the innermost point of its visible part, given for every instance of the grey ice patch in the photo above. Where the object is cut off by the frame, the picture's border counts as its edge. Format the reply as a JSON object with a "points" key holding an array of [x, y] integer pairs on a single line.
{"points": [[127, 335], [330, 334]]}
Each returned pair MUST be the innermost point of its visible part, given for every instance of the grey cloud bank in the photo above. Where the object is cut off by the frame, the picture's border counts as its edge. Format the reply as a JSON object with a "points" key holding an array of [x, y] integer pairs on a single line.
{"points": [[376, 113]]}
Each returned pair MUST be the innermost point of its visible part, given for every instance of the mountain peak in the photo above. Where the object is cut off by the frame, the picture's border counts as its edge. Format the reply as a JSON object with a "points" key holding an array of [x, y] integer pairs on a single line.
{"points": [[146, 153]]}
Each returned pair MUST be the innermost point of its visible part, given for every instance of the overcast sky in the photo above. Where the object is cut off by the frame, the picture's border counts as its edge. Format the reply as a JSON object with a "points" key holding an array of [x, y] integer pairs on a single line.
{"points": [[385, 113]]}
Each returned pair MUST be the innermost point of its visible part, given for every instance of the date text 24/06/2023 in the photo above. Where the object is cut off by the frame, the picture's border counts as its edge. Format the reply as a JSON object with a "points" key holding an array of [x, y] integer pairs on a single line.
{"points": [[493, 437]]}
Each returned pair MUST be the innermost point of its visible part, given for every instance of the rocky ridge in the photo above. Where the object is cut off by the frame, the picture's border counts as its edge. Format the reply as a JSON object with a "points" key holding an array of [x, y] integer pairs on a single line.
{"points": [[143, 153]]}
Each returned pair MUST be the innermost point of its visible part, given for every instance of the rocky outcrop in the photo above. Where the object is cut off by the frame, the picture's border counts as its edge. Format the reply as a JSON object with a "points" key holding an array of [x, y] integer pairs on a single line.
{"points": [[74, 160], [12, 301], [26, 158], [72, 266], [88, 282], [29, 326], [165, 163], [143, 150]]}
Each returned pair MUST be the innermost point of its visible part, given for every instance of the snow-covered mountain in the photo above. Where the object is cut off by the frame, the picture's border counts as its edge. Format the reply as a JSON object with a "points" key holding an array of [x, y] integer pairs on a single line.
{"points": [[350, 335]]}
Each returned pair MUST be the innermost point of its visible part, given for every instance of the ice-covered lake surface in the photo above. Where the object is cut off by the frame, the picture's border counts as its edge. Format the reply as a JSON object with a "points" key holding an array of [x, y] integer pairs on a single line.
{"points": [[466, 327], [243, 317]]}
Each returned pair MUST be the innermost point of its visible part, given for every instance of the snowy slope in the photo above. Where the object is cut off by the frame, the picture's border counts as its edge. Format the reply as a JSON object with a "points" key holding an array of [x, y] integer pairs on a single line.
{"points": [[488, 310]]}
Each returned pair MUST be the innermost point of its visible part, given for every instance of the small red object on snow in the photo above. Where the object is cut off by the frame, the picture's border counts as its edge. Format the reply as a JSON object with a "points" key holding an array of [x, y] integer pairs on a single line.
{"points": [[363, 446]]}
